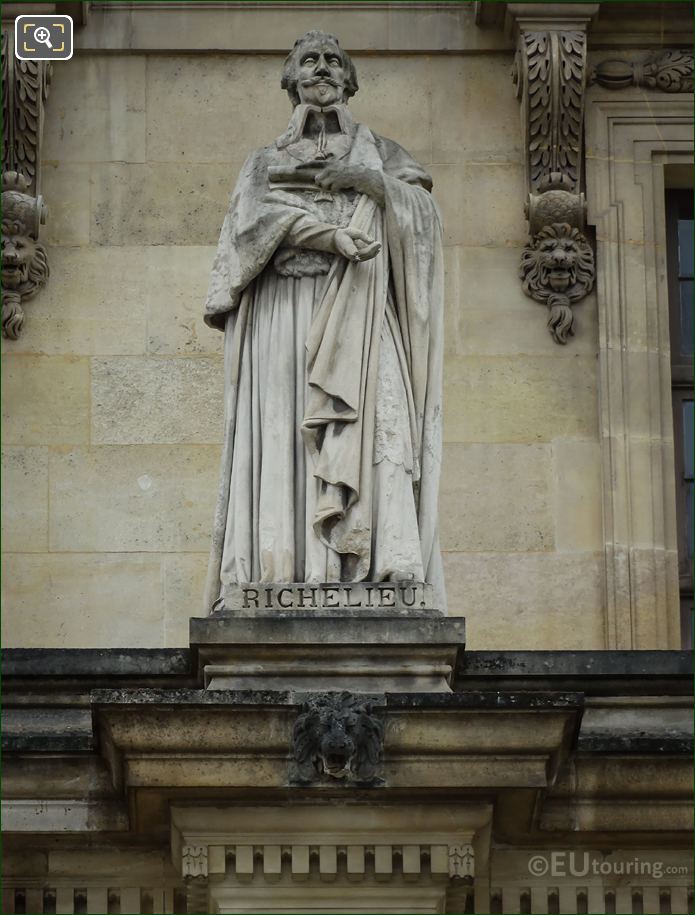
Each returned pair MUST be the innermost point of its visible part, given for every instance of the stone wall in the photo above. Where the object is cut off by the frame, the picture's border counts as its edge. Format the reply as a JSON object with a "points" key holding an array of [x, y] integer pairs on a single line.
{"points": [[113, 394]]}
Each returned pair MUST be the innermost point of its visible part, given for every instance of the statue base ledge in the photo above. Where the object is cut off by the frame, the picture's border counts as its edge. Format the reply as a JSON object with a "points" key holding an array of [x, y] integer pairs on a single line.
{"points": [[320, 650]]}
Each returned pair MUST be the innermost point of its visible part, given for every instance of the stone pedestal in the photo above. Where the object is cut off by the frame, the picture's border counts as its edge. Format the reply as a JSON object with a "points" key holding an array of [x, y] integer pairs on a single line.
{"points": [[361, 638]]}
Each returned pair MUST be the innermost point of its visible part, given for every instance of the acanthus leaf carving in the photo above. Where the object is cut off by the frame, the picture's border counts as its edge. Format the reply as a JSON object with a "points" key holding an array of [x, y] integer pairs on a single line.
{"points": [[26, 84], [557, 264]]}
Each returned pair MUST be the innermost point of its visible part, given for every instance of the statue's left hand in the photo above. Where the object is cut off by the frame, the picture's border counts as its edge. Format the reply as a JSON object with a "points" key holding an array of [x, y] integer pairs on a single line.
{"points": [[337, 176]]}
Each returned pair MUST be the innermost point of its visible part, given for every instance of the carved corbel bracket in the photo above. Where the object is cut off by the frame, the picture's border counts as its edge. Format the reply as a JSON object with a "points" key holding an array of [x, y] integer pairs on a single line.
{"points": [[669, 70], [25, 86], [557, 265]]}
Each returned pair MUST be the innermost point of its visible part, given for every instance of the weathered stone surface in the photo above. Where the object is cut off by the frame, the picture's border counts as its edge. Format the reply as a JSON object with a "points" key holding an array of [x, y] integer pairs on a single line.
{"points": [[97, 110], [156, 400], [496, 497], [25, 514], [68, 187], [528, 600], [577, 484], [45, 400], [497, 399], [235, 97], [183, 576], [474, 198], [91, 306], [174, 286], [385, 84], [464, 93], [81, 600], [160, 203], [146, 498]]}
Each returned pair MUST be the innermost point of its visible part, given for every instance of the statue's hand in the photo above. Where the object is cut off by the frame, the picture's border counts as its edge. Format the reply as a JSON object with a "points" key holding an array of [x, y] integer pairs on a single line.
{"points": [[337, 176], [355, 245]]}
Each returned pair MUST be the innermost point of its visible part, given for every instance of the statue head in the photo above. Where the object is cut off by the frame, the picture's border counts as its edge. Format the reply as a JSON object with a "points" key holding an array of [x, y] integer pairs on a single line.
{"points": [[318, 72], [24, 262]]}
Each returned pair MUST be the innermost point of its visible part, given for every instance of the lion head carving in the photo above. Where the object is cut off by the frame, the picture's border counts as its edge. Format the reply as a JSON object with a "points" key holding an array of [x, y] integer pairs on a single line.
{"points": [[24, 259], [557, 269], [338, 735]]}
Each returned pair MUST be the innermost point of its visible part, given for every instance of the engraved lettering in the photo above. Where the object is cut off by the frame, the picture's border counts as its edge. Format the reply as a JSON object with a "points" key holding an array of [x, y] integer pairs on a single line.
{"points": [[268, 598], [403, 593], [387, 592], [280, 593], [307, 594], [348, 594], [331, 592], [250, 594]]}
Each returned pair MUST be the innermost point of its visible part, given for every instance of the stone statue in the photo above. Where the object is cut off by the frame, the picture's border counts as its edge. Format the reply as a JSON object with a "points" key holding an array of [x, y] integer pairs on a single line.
{"points": [[328, 284]]}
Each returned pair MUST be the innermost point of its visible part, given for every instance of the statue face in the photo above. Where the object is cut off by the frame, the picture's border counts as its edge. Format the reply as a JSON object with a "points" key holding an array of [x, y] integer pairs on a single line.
{"points": [[320, 74], [18, 251]]}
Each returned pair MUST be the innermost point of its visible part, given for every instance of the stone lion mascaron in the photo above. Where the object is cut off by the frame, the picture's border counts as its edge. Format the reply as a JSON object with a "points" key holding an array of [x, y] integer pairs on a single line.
{"points": [[337, 735], [557, 269], [24, 259]]}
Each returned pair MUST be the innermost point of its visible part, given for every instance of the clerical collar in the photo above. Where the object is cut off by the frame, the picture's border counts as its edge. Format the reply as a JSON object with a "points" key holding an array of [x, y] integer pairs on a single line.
{"points": [[295, 129]]}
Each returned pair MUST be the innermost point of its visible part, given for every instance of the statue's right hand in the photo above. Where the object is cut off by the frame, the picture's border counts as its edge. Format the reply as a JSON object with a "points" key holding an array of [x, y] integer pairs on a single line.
{"points": [[355, 245]]}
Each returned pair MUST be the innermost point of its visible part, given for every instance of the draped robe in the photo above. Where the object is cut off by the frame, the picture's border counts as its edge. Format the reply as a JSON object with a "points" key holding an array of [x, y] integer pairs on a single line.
{"points": [[332, 428]]}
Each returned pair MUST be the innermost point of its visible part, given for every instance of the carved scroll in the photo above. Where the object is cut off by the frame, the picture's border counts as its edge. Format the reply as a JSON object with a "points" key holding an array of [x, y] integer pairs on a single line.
{"points": [[25, 86], [557, 265], [669, 71]]}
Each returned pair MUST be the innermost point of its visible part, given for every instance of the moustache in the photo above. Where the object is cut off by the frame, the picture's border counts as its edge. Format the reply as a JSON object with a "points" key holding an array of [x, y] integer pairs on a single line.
{"points": [[314, 80]]}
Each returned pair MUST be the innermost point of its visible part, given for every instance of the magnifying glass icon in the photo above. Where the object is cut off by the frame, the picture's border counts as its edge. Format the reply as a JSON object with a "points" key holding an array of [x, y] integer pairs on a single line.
{"points": [[43, 36]]}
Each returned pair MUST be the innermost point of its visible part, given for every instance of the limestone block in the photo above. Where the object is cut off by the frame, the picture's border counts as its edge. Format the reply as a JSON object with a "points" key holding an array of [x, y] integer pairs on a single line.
{"points": [[91, 305], [394, 101], [45, 400], [465, 90], [183, 576], [496, 497], [144, 498], [481, 202], [97, 110], [223, 107], [144, 866], [143, 400], [520, 399], [175, 284], [160, 203], [67, 187], [578, 495], [25, 499], [81, 600], [487, 313], [528, 600]]}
